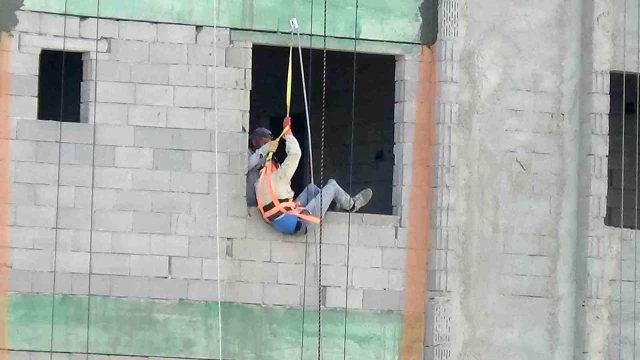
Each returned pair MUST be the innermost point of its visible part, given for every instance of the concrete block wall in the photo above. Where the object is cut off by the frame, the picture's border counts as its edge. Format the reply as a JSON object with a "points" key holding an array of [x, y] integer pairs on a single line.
{"points": [[127, 198]]}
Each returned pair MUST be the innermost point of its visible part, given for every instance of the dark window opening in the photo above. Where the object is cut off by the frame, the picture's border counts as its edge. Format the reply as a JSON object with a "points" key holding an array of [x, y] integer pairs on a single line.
{"points": [[373, 158], [615, 192], [51, 95]]}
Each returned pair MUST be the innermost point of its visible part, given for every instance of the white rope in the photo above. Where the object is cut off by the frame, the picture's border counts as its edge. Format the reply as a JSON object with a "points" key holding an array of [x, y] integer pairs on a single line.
{"points": [[624, 110], [215, 117]]}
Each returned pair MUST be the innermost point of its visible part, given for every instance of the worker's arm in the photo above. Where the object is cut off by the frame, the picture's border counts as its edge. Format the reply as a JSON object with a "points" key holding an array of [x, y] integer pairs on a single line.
{"points": [[258, 158], [294, 153]]}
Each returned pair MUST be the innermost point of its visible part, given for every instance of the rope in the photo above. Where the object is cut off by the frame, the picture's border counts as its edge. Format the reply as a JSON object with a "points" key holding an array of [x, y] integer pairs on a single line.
{"points": [[55, 239], [624, 109], [635, 233], [93, 166], [215, 112], [324, 115], [353, 130]]}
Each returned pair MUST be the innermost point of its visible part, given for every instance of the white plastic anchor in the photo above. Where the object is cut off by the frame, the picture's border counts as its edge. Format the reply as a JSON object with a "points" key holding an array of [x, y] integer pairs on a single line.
{"points": [[294, 24]]}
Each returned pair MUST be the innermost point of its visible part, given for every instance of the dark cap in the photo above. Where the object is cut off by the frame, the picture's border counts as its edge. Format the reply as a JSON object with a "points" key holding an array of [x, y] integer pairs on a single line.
{"points": [[261, 133]]}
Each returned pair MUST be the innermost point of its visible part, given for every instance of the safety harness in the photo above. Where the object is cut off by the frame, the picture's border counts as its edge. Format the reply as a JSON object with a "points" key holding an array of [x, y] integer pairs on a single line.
{"points": [[279, 207]]}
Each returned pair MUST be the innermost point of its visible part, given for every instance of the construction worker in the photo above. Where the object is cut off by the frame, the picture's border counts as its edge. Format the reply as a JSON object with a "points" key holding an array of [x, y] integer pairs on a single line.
{"points": [[260, 142], [305, 212]]}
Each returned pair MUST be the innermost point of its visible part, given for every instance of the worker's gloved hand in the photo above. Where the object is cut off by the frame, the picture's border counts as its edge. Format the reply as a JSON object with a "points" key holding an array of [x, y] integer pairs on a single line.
{"points": [[285, 123], [273, 146]]}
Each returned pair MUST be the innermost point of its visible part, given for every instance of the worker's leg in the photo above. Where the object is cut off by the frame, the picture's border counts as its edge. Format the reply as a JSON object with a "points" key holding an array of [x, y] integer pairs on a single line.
{"points": [[310, 192]]}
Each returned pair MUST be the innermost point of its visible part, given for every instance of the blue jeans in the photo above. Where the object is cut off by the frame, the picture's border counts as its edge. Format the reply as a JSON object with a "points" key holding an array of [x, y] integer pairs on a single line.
{"points": [[310, 199]]}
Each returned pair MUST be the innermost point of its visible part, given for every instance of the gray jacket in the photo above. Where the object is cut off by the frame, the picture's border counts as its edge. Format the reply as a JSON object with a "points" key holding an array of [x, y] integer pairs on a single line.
{"points": [[256, 161]]}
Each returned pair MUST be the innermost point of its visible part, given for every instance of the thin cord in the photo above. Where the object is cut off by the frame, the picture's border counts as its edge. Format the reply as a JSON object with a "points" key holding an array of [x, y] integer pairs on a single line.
{"points": [[215, 112], [624, 109], [353, 130], [324, 113], [61, 113], [93, 166], [635, 233]]}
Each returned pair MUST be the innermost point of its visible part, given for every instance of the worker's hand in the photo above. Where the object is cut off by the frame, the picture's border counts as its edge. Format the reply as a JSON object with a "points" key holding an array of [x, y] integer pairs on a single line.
{"points": [[285, 123], [273, 146]]}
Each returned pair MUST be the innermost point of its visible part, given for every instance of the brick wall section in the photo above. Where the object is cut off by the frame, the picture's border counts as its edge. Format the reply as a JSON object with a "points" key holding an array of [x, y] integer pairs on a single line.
{"points": [[149, 178]]}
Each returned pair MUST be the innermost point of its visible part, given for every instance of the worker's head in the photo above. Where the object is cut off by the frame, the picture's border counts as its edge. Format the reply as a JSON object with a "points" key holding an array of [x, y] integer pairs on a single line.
{"points": [[259, 137]]}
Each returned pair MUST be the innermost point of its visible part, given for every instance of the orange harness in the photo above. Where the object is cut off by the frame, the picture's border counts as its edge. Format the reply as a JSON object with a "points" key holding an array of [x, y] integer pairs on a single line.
{"points": [[279, 207]]}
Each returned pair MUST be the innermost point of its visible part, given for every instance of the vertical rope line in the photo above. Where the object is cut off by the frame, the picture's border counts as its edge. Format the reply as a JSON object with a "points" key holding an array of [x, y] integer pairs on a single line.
{"points": [[215, 115], [635, 233], [624, 109], [324, 113], [353, 130], [55, 239], [93, 167]]}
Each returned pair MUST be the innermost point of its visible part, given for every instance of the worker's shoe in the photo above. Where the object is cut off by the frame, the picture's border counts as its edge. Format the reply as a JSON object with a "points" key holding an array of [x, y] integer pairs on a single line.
{"points": [[361, 199]]}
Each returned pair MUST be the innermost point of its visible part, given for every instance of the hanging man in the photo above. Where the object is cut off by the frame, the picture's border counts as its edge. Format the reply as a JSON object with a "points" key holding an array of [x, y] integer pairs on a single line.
{"points": [[274, 187], [260, 144]]}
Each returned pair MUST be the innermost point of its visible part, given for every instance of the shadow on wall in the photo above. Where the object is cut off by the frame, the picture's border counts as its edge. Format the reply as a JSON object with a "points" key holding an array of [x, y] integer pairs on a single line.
{"points": [[8, 18], [373, 158]]}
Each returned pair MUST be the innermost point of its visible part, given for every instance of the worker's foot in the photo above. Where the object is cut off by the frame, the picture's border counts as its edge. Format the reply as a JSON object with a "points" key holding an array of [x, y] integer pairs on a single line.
{"points": [[361, 199]]}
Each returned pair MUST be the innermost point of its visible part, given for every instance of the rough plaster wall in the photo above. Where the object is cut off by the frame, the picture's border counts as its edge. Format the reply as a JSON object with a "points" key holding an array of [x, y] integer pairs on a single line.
{"points": [[517, 175]]}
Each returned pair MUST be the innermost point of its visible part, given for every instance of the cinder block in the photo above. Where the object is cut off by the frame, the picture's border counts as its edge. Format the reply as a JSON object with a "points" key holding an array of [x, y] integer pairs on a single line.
{"points": [[28, 64], [170, 245], [275, 294], [189, 182], [231, 99], [382, 300], [81, 198], [154, 138], [128, 243], [169, 202], [106, 70], [151, 180], [47, 152], [28, 21], [229, 269], [206, 162], [152, 223], [336, 298], [294, 274], [41, 283], [24, 107], [186, 268], [207, 290], [129, 157], [186, 118], [77, 133], [249, 293], [227, 78], [113, 221], [75, 175], [205, 55], [168, 54], [105, 155], [186, 139], [370, 278], [393, 258], [23, 85], [188, 75], [148, 116], [190, 224], [178, 34], [365, 257], [141, 31], [210, 36], [132, 200], [38, 216], [112, 178], [100, 285], [110, 264], [288, 252], [231, 227], [396, 280], [131, 51], [72, 262], [129, 286], [27, 237], [114, 135], [150, 74], [91, 28], [25, 194], [374, 236], [332, 254], [258, 272], [37, 130], [22, 150], [193, 97], [103, 199], [205, 247], [158, 95], [76, 219], [104, 113], [171, 160], [334, 276], [148, 265], [20, 282], [35, 173], [71, 154], [244, 249], [108, 92], [73, 240], [228, 120], [172, 289], [238, 58], [34, 260]]}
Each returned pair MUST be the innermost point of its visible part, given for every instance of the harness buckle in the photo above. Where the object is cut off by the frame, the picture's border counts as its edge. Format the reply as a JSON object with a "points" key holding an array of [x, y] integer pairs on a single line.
{"points": [[293, 23]]}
